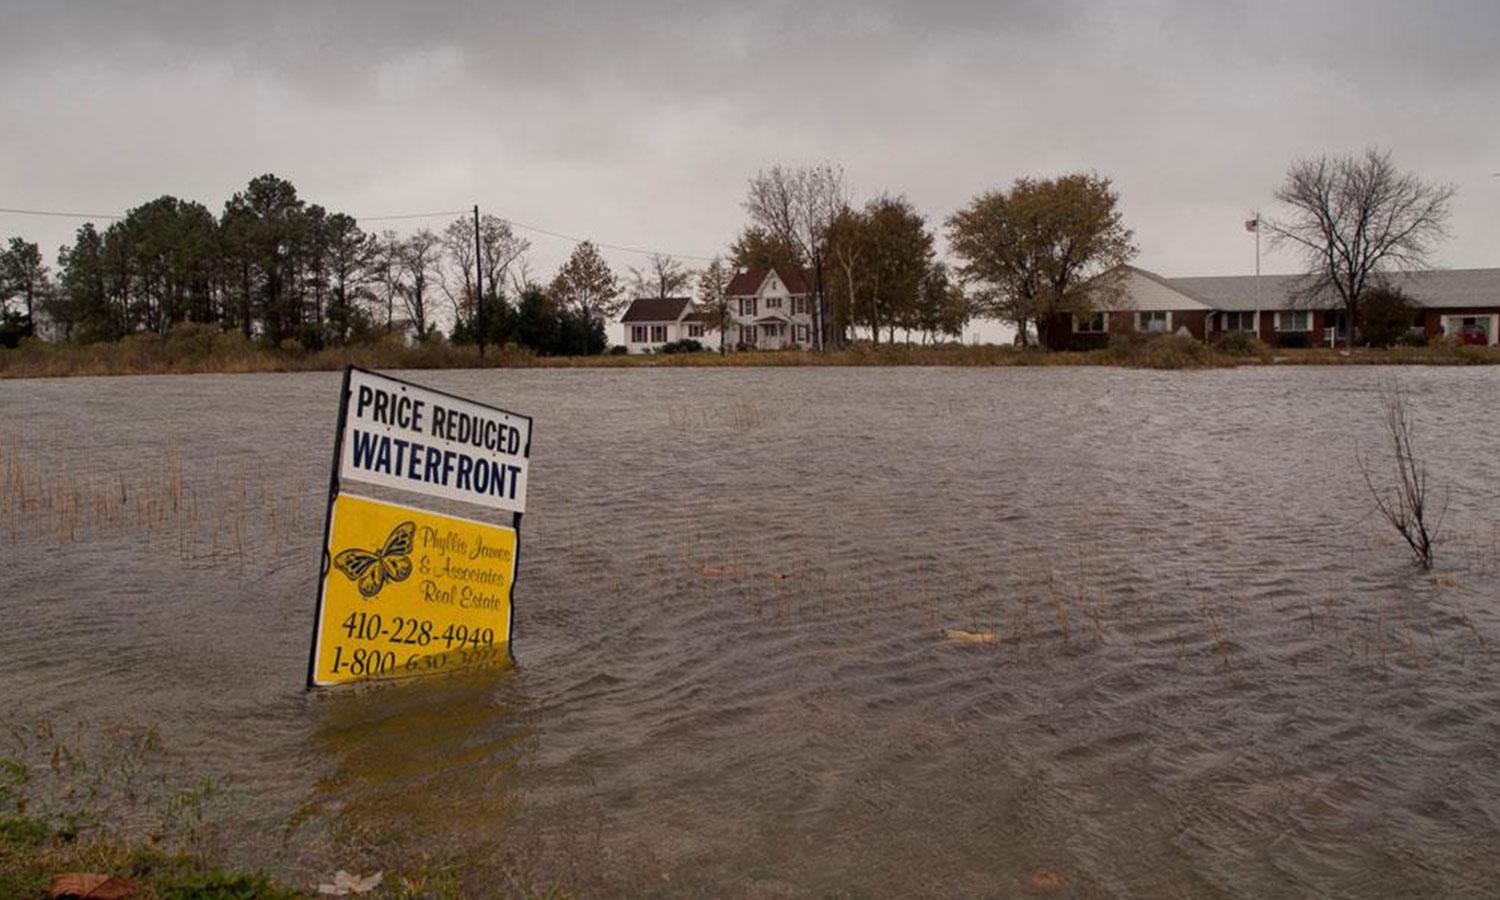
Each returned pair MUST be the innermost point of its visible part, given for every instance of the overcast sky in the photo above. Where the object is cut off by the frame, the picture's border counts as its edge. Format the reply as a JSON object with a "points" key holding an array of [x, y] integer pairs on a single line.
{"points": [[640, 126]]}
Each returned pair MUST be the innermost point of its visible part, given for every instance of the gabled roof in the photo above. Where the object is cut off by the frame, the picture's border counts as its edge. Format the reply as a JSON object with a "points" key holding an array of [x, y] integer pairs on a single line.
{"points": [[1143, 290], [748, 282], [656, 309], [1435, 289], [696, 315]]}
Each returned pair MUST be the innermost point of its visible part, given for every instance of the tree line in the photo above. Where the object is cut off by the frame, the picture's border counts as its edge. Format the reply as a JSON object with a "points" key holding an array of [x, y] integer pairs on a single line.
{"points": [[294, 275]]}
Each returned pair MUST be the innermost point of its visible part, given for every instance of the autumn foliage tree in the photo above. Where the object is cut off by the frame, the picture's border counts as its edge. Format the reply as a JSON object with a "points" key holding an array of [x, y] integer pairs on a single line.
{"points": [[1033, 250], [713, 301], [587, 285], [880, 256], [757, 248]]}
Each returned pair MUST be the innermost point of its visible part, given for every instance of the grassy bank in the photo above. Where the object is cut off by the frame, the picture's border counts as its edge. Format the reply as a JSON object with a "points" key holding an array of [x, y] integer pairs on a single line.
{"points": [[33, 853], [94, 806], [197, 350]]}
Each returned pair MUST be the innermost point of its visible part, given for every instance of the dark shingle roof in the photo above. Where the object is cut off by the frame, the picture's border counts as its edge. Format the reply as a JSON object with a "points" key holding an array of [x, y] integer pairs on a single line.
{"points": [[746, 283], [655, 309]]}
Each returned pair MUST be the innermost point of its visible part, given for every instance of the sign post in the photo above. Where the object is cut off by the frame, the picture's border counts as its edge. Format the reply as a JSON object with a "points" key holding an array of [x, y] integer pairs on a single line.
{"points": [[405, 590]]}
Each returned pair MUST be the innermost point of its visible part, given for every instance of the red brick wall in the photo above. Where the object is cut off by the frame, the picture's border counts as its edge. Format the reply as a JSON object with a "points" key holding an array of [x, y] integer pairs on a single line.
{"points": [[1432, 319], [1060, 328]]}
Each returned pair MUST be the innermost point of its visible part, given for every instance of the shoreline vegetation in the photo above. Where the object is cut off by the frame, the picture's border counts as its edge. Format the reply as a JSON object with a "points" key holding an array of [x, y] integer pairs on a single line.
{"points": [[201, 349]]}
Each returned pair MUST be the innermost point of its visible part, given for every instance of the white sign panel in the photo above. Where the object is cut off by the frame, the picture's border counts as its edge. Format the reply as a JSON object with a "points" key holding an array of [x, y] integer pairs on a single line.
{"points": [[403, 436]]}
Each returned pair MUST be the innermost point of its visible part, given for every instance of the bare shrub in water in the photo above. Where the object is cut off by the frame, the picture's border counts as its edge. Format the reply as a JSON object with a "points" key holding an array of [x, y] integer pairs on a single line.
{"points": [[1405, 503]]}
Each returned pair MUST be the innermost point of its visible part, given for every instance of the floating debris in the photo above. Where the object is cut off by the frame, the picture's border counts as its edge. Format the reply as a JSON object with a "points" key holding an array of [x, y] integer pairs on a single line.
{"points": [[1048, 880], [969, 637], [345, 884], [92, 886]]}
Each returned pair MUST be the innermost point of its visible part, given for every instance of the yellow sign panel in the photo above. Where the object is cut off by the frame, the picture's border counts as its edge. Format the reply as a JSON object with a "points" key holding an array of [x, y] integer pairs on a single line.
{"points": [[410, 592]]}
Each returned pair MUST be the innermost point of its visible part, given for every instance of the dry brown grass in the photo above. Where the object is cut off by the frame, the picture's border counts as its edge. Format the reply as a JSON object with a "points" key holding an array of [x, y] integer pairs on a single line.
{"points": [[1438, 353], [195, 349], [245, 509]]}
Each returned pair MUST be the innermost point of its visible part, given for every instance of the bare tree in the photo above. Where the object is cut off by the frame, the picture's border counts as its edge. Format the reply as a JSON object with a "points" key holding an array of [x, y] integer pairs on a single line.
{"points": [[456, 270], [420, 257], [797, 206], [1406, 503], [664, 277], [387, 268], [1354, 218], [499, 248]]}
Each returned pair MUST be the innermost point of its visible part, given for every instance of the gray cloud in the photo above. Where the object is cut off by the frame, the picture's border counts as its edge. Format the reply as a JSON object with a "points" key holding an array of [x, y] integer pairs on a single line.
{"points": [[639, 123]]}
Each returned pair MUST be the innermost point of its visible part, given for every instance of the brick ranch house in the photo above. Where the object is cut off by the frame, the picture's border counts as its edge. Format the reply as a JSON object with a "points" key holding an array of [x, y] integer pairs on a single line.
{"points": [[770, 309], [1456, 302], [651, 322]]}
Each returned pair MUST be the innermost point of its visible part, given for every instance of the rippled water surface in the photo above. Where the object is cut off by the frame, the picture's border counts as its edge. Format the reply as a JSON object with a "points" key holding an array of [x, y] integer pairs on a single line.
{"points": [[1215, 673]]}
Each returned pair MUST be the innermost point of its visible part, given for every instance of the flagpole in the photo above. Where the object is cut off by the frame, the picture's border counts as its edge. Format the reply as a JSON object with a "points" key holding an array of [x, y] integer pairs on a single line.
{"points": [[1257, 272]]}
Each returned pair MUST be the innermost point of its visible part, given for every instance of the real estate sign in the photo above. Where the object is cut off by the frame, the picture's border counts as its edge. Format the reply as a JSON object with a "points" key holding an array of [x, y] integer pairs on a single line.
{"points": [[407, 590], [406, 437]]}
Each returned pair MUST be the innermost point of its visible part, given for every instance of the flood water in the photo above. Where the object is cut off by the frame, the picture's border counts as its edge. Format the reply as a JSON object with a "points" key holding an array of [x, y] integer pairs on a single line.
{"points": [[1216, 672]]}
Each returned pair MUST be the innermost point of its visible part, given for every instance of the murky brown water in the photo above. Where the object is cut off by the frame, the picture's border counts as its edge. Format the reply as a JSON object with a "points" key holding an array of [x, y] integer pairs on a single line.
{"points": [[1216, 675]]}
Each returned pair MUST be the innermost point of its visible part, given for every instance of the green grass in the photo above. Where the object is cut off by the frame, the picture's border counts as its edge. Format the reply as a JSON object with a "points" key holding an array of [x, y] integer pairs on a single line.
{"points": [[32, 852]]}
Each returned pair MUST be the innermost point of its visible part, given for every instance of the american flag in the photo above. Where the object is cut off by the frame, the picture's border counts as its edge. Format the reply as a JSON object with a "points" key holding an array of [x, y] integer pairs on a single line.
{"points": [[1252, 224]]}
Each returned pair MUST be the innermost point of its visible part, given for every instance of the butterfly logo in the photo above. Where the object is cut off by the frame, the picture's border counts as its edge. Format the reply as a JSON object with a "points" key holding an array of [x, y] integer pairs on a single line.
{"points": [[371, 569]]}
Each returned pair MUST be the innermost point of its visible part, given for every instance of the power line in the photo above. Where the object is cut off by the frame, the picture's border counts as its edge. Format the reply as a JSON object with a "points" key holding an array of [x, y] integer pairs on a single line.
{"points": [[428, 215], [641, 251], [56, 214], [578, 240]]}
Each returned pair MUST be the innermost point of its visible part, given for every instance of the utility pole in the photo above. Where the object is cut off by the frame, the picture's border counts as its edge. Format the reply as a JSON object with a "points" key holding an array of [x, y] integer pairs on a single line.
{"points": [[479, 332]]}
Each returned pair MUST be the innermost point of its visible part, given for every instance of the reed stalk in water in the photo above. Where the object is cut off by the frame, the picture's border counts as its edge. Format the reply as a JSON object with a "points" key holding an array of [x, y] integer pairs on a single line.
{"points": [[1406, 504]]}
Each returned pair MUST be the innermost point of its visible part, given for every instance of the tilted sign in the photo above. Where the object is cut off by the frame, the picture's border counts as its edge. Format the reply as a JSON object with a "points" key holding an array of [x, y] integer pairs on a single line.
{"points": [[402, 436], [407, 591]]}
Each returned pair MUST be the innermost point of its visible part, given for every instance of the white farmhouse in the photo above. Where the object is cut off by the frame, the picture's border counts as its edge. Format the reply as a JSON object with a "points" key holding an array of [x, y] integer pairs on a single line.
{"points": [[651, 322], [770, 309]]}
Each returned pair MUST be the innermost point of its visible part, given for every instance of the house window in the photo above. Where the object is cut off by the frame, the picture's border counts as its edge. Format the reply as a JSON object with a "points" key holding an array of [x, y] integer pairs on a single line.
{"points": [[747, 334], [1153, 322], [773, 303], [658, 334], [638, 334], [1294, 320], [695, 330], [799, 306], [747, 306], [1090, 323], [1468, 329], [1239, 321], [799, 333]]}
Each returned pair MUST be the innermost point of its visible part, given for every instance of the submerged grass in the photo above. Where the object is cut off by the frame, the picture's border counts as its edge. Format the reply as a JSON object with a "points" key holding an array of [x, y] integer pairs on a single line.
{"points": [[111, 802]]}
